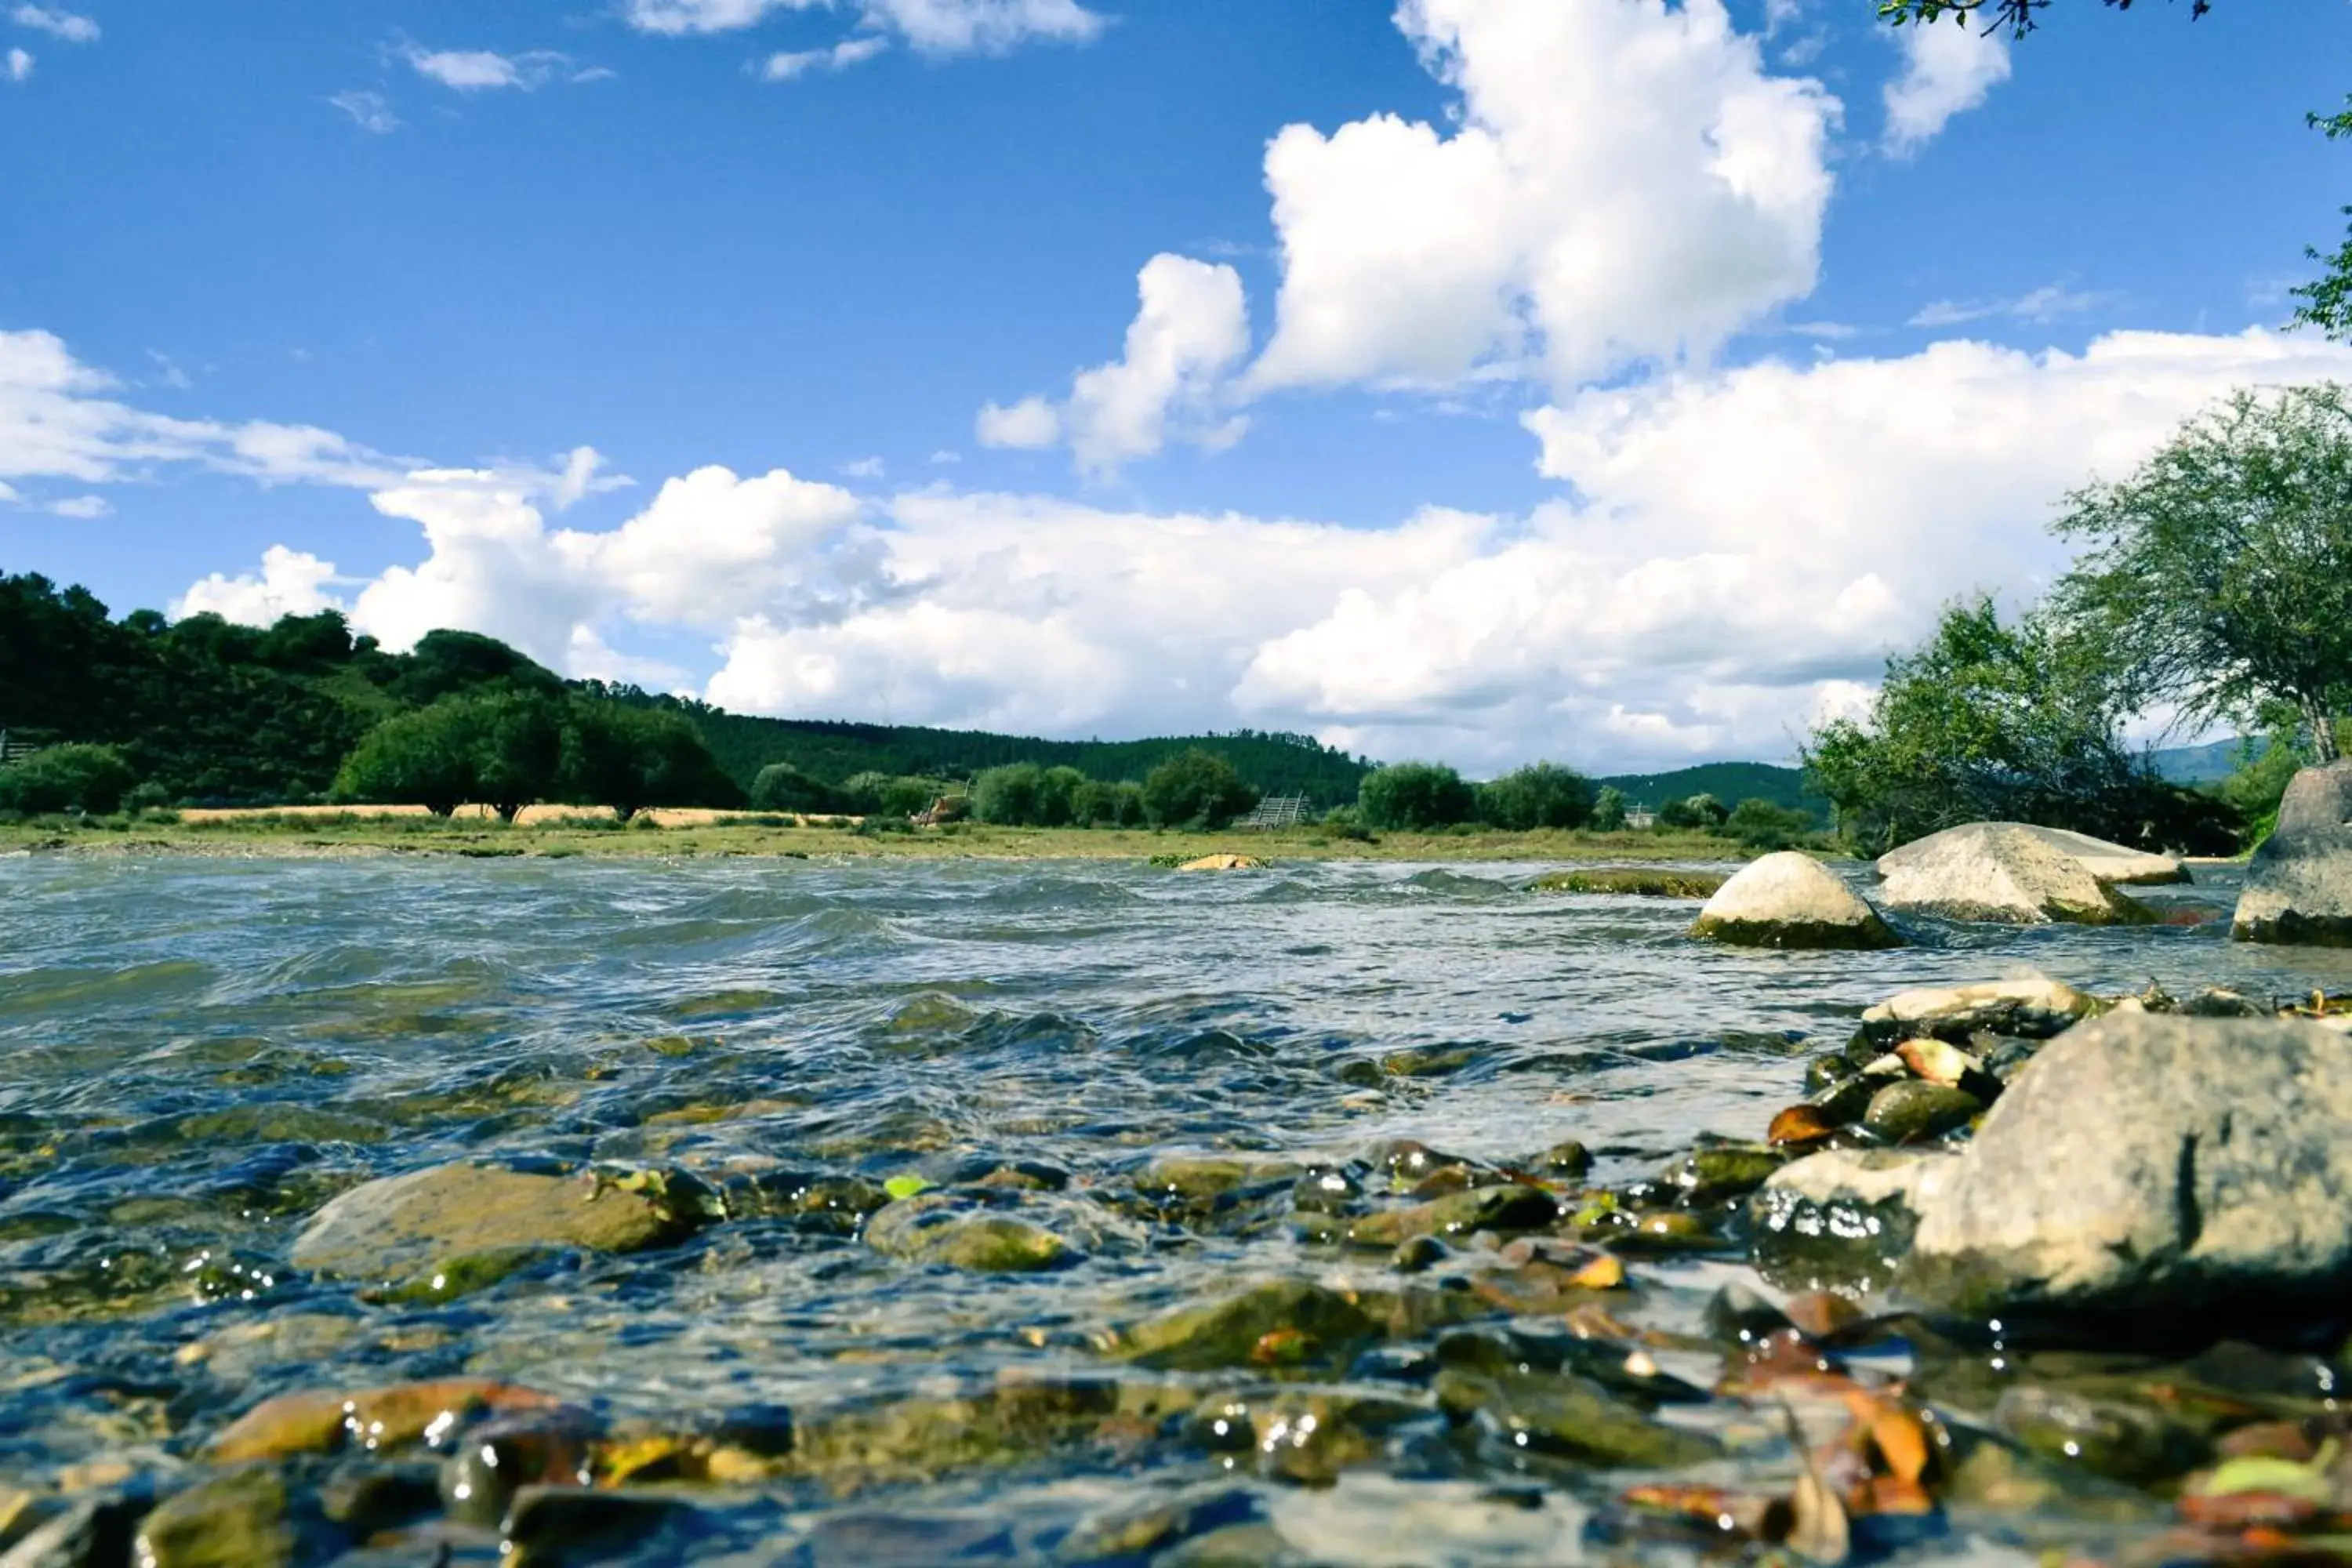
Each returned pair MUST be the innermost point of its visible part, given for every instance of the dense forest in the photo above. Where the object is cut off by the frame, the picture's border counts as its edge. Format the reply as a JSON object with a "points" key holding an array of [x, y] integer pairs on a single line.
{"points": [[209, 712]]}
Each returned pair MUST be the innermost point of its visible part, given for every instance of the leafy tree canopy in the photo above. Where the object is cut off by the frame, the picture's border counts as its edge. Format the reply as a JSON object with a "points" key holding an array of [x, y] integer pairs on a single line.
{"points": [[92, 779], [1415, 796], [1541, 794], [2219, 575], [1196, 788]]}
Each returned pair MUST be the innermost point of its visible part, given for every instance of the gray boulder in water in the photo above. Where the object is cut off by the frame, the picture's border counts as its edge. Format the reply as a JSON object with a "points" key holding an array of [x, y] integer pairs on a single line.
{"points": [[1792, 900], [2107, 862], [2162, 1174], [2003, 871], [2299, 883]]}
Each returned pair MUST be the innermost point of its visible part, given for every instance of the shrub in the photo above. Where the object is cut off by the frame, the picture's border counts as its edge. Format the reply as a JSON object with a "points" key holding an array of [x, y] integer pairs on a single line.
{"points": [[1414, 796], [1760, 825], [1703, 812], [1009, 796], [89, 779], [781, 786], [1198, 788], [1541, 794], [1096, 804], [1609, 810], [1057, 791]]}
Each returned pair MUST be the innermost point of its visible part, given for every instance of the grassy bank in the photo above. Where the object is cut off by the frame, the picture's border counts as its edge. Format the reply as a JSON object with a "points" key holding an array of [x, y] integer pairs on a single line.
{"points": [[783, 837]]}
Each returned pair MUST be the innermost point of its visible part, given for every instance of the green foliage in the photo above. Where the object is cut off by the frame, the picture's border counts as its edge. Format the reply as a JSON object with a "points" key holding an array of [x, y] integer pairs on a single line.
{"points": [[1095, 803], [781, 786], [89, 779], [1700, 811], [447, 662], [1197, 788], [2266, 765], [1992, 722], [1541, 794], [501, 750], [1009, 796], [1761, 824], [1415, 797], [2219, 575], [1724, 781], [631, 758], [1609, 810], [2013, 16], [887, 794]]}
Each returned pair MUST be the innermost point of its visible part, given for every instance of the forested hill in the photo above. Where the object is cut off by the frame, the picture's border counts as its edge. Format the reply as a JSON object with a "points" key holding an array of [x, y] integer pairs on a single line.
{"points": [[833, 750], [217, 713], [1729, 782]]}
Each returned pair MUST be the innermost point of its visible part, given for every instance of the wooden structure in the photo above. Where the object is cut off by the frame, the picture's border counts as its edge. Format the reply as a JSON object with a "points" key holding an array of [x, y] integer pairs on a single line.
{"points": [[1276, 811]]}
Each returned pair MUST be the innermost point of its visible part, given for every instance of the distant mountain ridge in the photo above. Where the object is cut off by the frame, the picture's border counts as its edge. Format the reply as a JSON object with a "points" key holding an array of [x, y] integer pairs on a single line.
{"points": [[1729, 782]]}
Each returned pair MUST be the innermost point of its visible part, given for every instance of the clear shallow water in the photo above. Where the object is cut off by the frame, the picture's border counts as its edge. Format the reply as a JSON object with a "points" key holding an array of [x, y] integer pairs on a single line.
{"points": [[195, 1054]]}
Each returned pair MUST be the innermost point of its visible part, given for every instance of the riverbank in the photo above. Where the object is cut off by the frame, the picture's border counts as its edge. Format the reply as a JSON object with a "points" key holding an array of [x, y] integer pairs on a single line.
{"points": [[313, 836]]}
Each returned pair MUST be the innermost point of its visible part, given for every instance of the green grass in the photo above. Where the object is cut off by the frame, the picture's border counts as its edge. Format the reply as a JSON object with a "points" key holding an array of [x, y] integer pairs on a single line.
{"points": [[960, 841]]}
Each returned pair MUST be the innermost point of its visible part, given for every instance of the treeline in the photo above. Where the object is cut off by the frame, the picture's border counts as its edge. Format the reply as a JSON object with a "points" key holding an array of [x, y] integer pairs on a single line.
{"points": [[836, 753], [203, 712], [2217, 584]]}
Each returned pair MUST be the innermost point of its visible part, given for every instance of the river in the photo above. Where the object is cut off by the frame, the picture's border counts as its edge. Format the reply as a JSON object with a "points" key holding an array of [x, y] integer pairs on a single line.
{"points": [[196, 1053]]}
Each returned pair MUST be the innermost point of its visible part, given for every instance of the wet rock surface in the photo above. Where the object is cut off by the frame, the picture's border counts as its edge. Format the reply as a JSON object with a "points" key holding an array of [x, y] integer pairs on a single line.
{"points": [[2107, 861], [2001, 871], [809, 1214], [2299, 883], [2171, 1168], [1790, 900]]}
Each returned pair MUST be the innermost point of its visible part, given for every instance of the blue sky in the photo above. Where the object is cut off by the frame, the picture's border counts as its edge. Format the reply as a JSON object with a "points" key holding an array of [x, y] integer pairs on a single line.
{"points": [[1596, 379]]}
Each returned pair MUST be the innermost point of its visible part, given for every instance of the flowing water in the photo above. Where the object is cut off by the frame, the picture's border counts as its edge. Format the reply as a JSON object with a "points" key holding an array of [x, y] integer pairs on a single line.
{"points": [[196, 1054]]}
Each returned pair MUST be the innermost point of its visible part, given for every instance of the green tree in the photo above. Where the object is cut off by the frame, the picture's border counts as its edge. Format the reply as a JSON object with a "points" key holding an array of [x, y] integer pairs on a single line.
{"points": [[784, 787], [1761, 824], [1197, 788], [501, 750], [443, 663], [71, 777], [2016, 17], [631, 758], [1609, 810], [1414, 797], [1541, 794], [1701, 811], [2219, 575], [1009, 796], [1057, 790], [1987, 722], [1096, 804]]}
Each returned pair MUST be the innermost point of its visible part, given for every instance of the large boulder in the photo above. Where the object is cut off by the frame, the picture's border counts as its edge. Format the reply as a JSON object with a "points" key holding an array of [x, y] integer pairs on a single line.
{"points": [[1792, 900], [2153, 1175], [2107, 861], [447, 1220], [2299, 883], [2000, 871]]}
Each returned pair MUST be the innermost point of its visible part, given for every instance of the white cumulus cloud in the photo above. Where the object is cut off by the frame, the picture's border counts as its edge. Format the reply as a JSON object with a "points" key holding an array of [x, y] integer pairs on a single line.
{"points": [[1029, 424], [57, 22], [932, 26], [16, 66], [1947, 71], [795, 64], [290, 582], [485, 70]]}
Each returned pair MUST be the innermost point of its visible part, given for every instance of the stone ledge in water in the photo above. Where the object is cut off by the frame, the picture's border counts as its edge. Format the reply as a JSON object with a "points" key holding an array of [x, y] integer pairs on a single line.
{"points": [[2001, 872], [2107, 861], [1790, 900], [1641, 881], [940, 1228], [1221, 861], [2299, 883], [2194, 1173], [398, 1229], [2029, 1008]]}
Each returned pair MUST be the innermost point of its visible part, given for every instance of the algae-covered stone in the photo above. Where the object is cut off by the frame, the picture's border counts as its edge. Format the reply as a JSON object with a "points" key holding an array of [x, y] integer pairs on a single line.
{"points": [[2108, 1438], [327, 1420], [397, 1229], [940, 1228], [2299, 883], [1911, 1110], [2004, 872], [1641, 881], [1235, 1330], [1723, 1171], [1303, 1435], [93, 1532], [241, 1517], [2031, 1007], [1497, 1209], [1790, 900], [1565, 1415], [548, 1525], [2168, 1171]]}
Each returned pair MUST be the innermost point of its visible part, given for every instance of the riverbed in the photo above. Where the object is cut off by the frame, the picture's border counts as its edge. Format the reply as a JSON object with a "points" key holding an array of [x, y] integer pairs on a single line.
{"points": [[196, 1054]]}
